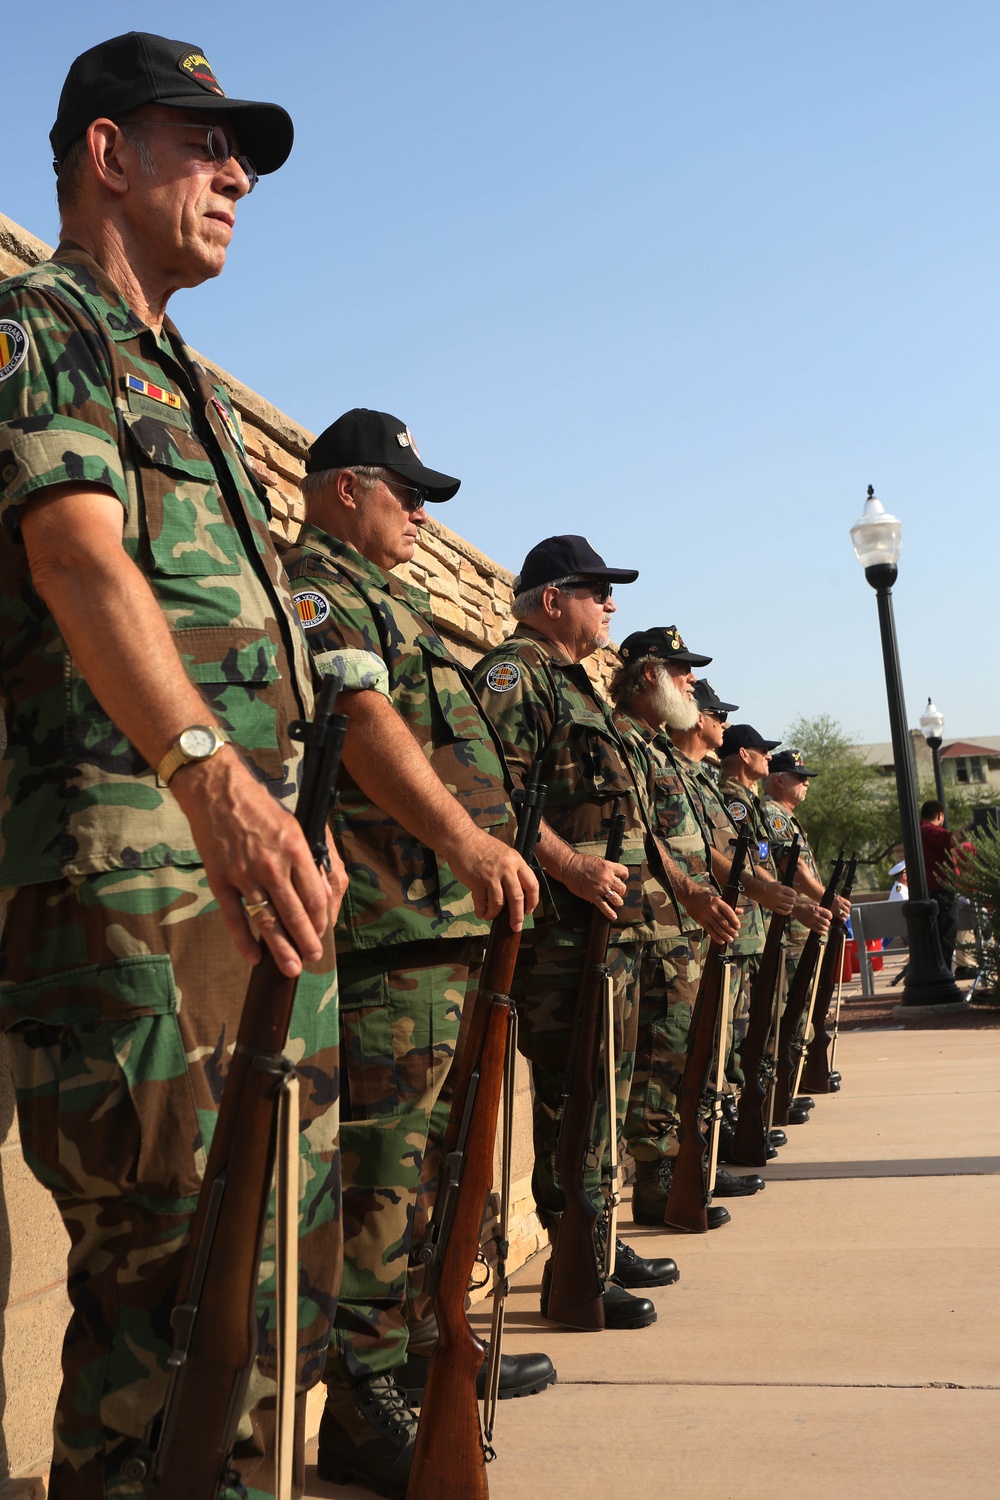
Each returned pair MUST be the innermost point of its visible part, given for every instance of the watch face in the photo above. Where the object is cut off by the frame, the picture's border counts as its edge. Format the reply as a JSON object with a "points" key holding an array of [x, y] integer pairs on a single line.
{"points": [[198, 742]]}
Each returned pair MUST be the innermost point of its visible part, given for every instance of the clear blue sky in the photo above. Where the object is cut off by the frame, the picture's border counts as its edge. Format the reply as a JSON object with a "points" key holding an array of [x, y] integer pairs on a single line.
{"points": [[682, 277]]}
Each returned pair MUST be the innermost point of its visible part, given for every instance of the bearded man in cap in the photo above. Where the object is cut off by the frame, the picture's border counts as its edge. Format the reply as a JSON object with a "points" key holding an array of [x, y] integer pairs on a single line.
{"points": [[654, 688], [150, 674], [425, 826], [547, 711]]}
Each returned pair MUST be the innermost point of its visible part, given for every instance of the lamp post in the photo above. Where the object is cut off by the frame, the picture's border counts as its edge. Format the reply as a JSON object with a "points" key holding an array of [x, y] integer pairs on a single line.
{"points": [[932, 729], [878, 541]]}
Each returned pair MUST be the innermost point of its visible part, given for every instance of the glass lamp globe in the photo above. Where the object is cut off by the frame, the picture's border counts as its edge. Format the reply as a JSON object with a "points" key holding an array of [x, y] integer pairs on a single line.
{"points": [[877, 536], [932, 722]]}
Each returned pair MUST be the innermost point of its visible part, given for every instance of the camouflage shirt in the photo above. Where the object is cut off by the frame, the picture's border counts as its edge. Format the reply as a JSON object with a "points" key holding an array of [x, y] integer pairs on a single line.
{"points": [[373, 632], [782, 826], [546, 708], [89, 394], [723, 827], [678, 815]]}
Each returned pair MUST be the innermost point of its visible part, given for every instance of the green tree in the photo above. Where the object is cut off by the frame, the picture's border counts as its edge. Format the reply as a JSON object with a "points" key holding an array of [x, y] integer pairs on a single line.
{"points": [[851, 805]]}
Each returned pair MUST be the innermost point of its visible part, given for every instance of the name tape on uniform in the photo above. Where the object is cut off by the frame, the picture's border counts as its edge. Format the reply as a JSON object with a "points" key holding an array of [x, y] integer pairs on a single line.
{"points": [[311, 607], [13, 347]]}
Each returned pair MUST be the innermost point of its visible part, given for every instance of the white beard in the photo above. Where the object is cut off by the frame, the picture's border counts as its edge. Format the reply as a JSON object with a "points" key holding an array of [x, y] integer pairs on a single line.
{"points": [[672, 706]]}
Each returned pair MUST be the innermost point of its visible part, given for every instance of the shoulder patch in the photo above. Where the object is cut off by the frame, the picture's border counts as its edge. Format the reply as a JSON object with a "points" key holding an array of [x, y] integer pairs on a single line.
{"points": [[503, 676], [13, 347], [778, 823], [311, 607], [737, 811]]}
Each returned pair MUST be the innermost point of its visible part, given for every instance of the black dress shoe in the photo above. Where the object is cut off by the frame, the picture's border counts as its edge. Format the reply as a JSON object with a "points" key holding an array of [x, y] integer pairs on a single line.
{"points": [[632, 1271], [621, 1309], [777, 1138], [727, 1185], [803, 1101], [520, 1375], [797, 1116]]}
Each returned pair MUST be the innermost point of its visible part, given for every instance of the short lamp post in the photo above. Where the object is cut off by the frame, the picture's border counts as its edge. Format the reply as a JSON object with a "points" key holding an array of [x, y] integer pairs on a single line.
{"points": [[878, 541], [932, 729]]}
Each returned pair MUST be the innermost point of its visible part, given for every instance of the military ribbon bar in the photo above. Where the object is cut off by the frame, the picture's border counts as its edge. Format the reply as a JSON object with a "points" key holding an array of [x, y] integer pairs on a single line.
{"points": [[154, 392]]}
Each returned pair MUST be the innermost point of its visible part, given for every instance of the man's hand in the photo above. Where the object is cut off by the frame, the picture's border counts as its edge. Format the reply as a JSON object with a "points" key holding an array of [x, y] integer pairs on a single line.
{"points": [[713, 914], [253, 851], [496, 875], [816, 918], [599, 881], [772, 895], [841, 908]]}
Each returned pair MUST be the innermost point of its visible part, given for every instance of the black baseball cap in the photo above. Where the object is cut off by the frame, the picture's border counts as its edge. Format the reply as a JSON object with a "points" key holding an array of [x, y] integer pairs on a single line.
{"points": [[140, 68], [708, 699], [374, 438], [792, 761], [744, 737], [567, 557], [663, 642]]}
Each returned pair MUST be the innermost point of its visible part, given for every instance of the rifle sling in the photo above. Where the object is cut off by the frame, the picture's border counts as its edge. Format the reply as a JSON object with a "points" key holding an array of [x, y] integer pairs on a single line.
{"points": [[501, 1285], [286, 1272]]}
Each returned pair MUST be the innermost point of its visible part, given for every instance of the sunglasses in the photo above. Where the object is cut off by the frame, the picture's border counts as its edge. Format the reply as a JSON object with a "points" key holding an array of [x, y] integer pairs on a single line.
{"points": [[419, 495], [219, 146], [723, 718], [602, 591]]}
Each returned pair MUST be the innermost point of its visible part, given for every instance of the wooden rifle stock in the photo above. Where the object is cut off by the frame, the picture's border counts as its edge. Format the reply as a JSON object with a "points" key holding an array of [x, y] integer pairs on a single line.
{"points": [[816, 1073], [449, 1457], [214, 1320], [576, 1287], [795, 1007], [687, 1201], [750, 1134]]}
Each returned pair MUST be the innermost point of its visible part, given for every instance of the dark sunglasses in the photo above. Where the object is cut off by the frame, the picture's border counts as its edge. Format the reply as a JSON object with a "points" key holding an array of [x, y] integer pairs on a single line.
{"points": [[419, 494], [602, 591], [723, 718], [219, 146]]}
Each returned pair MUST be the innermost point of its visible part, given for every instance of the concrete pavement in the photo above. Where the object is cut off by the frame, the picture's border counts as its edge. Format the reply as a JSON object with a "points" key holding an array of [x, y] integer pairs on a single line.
{"points": [[838, 1339]]}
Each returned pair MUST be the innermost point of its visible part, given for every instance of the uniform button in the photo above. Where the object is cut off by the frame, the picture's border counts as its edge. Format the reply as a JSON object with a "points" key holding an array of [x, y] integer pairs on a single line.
{"points": [[9, 473]]}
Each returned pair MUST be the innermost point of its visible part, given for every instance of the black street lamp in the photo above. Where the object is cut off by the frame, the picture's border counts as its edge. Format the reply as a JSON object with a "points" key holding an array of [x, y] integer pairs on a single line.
{"points": [[878, 541], [932, 729]]}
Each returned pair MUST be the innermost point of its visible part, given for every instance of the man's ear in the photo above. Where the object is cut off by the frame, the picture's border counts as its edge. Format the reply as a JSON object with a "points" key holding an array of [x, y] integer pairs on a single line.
{"points": [[105, 150], [346, 489], [549, 596]]}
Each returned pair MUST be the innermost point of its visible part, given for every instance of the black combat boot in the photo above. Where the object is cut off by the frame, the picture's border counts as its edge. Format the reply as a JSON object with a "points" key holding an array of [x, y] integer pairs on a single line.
{"points": [[650, 1192], [636, 1273], [621, 1309], [367, 1434], [730, 1185], [520, 1375]]}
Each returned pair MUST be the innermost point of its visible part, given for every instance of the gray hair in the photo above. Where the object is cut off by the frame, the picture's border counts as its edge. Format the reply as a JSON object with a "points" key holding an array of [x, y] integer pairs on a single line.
{"points": [[629, 678], [71, 168], [529, 602], [312, 485]]}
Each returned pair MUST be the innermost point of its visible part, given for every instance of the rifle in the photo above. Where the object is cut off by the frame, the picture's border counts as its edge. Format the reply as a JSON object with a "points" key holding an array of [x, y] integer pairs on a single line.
{"points": [[576, 1288], [450, 1455], [215, 1324], [750, 1135], [799, 992], [816, 1073], [687, 1201]]}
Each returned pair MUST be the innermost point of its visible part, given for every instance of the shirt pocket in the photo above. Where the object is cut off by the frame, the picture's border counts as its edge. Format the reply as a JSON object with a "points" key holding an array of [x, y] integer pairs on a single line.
{"points": [[463, 754], [188, 530], [236, 670], [101, 1077]]}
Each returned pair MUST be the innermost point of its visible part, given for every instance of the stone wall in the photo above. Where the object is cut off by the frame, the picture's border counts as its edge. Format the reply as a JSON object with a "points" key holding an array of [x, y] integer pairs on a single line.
{"points": [[470, 601]]}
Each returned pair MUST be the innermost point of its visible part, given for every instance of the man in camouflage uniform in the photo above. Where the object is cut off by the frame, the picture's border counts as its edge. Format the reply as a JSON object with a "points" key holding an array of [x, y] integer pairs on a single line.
{"points": [[424, 823], [745, 760], [146, 644], [653, 688], [785, 788], [546, 709]]}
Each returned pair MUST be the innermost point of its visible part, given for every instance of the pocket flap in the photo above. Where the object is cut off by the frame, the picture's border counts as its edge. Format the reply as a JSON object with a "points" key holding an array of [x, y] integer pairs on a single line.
{"points": [[116, 991]]}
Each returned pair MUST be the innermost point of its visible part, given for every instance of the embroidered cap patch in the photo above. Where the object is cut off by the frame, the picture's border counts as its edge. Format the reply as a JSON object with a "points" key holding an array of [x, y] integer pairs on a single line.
{"points": [[504, 676]]}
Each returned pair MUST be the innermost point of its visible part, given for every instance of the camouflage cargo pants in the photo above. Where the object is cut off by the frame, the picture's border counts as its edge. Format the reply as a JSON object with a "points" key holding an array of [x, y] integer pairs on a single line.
{"points": [[401, 1011], [668, 986], [545, 989], [121, 995]]}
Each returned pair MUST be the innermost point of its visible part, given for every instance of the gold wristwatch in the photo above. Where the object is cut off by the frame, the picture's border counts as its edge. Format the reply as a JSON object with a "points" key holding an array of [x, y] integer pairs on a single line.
{"points": [[199, 742]]}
